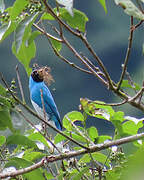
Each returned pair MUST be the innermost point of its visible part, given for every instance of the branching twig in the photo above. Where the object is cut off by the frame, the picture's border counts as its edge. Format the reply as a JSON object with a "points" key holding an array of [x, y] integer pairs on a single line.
{"points": [[46, 34], [67, 61], [137, 95], [83, 38], [54, 158], [84, 62], [109, 104], [79, 131]]}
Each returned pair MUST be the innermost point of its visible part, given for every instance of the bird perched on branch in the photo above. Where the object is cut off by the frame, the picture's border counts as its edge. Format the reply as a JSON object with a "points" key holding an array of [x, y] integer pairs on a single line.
{"points": [[41, 96]]}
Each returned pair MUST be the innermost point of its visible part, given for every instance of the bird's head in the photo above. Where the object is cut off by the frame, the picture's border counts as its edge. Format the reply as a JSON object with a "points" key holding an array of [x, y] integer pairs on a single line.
{"points": [[42, 74]]}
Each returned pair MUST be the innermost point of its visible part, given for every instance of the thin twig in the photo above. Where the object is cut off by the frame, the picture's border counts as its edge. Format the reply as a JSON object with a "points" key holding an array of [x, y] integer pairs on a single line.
{"points": [[46, 34], [137, 95], [109, 104], [99, 61], [79, 131], [63, 58], [20, 84], [93, 66], [84, 62], [137, 25], [127, 55]]}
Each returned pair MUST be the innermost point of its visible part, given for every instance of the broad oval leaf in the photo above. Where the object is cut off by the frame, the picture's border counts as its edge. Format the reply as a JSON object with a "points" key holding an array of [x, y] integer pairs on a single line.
{"points": [[19, 139], [93, 133], [78, 21], [129, 127], [32, 156], [22, 31], [59, 138], [72, 117], [25, 54], [38, 137]]}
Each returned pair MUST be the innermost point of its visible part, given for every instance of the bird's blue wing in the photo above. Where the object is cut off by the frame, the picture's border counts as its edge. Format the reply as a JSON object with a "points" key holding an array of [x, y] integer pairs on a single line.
{"points": [[50, 106]]}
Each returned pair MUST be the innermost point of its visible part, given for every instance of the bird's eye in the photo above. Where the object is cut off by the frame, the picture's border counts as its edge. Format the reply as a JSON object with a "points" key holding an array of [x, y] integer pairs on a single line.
{"points": [[36, 77]]}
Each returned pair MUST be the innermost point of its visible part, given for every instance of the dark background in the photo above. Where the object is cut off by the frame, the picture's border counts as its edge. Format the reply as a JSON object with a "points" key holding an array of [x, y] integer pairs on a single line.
{"points": [[108, 35]]}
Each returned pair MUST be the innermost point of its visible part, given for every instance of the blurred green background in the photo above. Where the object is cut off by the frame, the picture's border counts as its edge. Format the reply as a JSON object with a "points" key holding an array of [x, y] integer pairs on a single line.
{"points": [[108, 35]]}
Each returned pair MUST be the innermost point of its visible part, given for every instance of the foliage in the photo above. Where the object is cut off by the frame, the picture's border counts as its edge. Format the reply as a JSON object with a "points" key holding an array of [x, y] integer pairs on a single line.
{"points": [[88, 154]]}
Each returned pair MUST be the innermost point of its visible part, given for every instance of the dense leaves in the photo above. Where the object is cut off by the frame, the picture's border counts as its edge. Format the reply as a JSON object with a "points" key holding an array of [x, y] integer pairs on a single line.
{"points": [[27, 20]]}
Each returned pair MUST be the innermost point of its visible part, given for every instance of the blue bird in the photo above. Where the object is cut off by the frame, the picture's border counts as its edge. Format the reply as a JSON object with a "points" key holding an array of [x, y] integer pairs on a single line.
{"points": [[36, 85]]}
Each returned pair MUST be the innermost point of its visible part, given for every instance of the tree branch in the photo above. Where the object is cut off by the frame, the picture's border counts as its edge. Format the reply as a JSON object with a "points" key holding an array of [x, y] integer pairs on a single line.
{"points": [[127, 55], [54, 158], [46, 34]]}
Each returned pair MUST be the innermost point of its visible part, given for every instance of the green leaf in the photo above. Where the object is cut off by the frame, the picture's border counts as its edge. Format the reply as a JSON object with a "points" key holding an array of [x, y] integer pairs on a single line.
{"points": [[93, 133], [101, 158], [78, 21], [79, 175], [97, 109], [118, 116], [129, 127], [101, 139], [47, 16], [126, 84], [48, 176], [85, 158], [36, 174], [17, 8], [38, 137], [7, 29], [21, 140], [32, 156], [2, 140], [23, 31], [21, 49], [78, 138], [2, 6], [56, 44], [58, 138], [130, 8], [33, 36], [96, 156], [5, 119], [3, 91], [103, 3], [25, 54], [72, 117], [5, 102]]}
